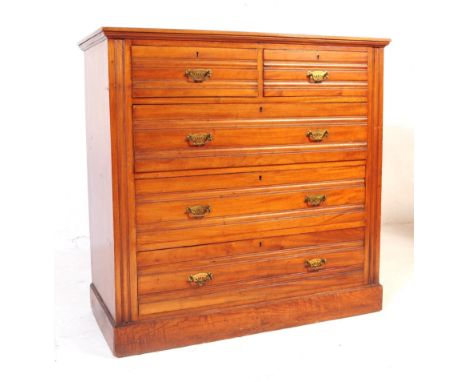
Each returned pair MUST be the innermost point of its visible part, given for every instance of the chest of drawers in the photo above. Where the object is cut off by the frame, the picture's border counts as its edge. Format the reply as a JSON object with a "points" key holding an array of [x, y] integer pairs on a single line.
{"points": [[234, 182]]}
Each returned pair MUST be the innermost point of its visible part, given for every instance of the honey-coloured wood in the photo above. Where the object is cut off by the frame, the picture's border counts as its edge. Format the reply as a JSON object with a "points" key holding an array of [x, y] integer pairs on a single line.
{"points": [[234, 182], [233, 272], [239, 248], [166, 71]]}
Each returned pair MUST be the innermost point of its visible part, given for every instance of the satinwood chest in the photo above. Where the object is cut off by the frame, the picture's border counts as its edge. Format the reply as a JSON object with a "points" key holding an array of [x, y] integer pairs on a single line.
{"points": [[234, 182]]}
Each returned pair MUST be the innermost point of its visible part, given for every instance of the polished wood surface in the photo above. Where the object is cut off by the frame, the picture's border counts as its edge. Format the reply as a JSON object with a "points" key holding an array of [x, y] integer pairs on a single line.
{"points": [[210, 325], [219, 165], [239, 248], [240, 178], [160, 71], [233, 272], [286, 72], [100, 180], [172, 207]]}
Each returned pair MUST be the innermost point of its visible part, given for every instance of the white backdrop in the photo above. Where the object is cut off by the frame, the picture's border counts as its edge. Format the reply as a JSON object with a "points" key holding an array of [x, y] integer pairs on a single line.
{"points": [[43, 193]]}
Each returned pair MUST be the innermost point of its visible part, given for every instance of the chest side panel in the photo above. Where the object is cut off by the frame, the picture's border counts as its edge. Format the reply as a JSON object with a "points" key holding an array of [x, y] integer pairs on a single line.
{"points": [[100, 187]]}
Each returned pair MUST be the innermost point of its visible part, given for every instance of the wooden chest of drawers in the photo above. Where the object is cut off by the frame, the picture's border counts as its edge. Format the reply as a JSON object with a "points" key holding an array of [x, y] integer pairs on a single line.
{"points": [[234, 182]]}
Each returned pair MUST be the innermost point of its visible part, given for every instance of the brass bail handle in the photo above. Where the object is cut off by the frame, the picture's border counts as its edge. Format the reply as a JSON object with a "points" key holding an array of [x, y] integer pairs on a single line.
{"points": [[199, 139], [198, 75], [315, 264], [317, 76], [317, 135], [315, 200], [198, 211], [200, 278]]}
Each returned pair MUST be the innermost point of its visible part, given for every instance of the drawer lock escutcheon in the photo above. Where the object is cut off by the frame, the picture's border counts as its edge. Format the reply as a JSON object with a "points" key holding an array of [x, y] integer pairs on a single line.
{"points": [[200, 278], [315, 264], [198, 75], [198, 211], [317, 135], [315, 200], [317, 76], [199, 139]]}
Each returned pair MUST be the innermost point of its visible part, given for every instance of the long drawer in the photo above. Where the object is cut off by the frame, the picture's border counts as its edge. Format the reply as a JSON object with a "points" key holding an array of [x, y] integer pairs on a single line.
{"points": [[315, 72], [152, 185], [254, 291], [218, 230], [148, 260], [194, 136], [229, 273], [185, 210], [194, 71], [212, 274], [192, 210]]}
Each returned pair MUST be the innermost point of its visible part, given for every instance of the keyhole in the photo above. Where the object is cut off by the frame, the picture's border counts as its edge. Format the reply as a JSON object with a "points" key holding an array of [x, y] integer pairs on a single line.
{"points": [[197, 54], [259, 177], [259, 243], [261, 109], [318, 56]]}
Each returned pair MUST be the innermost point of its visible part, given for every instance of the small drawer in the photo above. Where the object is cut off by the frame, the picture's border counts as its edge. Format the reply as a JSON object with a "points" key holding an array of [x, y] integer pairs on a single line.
{"points": [[316, 73], [210, 283], [162, 71]]}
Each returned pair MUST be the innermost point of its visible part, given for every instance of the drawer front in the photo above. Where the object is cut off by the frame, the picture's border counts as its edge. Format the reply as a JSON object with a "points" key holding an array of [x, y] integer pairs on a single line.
{"points": [[200, 135], [162, 71], [216, 273], [218, 230], [186, 210], [184, 137], [193, 210], [148, 261], [316, 73], [249, 292], [257, 177]]}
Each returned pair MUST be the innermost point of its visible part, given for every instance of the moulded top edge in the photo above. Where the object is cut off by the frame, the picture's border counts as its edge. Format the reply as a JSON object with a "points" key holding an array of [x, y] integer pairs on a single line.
{"points": [[228, 36]]}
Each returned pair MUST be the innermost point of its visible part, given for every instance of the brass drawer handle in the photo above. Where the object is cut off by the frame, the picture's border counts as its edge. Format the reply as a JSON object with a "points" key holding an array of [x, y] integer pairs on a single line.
{"points": [[200, 278], [198, 211], [317, 135], [315, 200], [198, 75], [315, 264], [199, 139], [317, 76]]}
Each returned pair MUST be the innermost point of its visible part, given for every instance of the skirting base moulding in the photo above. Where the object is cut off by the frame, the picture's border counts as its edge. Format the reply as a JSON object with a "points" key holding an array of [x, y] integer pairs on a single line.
{"points": [[234, 182]]}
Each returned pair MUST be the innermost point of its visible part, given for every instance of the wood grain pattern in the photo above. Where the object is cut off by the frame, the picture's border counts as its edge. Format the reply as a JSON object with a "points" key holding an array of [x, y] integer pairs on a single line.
{"points": [[217, 230], [161, 143], [148, 188], [258, 246], [171, 160], [248, 293], [100, 174], [144, 113], [159, 71], [165, 136], [286, 72], [162, 210], [254, 173], [233, 272], [375, 176], [233, 37]]}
